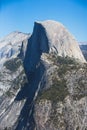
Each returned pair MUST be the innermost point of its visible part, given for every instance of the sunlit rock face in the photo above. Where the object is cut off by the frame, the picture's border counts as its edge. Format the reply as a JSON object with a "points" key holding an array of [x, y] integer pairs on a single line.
{"points": [[11, 45], [12, 78], [56, 37], [51, 36], [12, 49]]}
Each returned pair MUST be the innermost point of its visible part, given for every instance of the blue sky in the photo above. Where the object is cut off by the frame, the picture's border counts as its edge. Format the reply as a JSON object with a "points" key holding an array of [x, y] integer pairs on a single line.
{"points": [[19, 15]]}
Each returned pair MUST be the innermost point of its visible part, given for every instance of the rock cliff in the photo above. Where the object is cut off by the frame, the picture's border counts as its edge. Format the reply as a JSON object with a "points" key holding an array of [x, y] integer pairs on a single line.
{"points": [[51, 36], [43, 80], [10, 46]]}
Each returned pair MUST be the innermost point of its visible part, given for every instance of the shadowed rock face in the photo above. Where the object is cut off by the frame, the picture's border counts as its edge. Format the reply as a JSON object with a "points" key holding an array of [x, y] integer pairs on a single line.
{"points": [[37, 44], [50, 36], [61, 40], [84, 50]]}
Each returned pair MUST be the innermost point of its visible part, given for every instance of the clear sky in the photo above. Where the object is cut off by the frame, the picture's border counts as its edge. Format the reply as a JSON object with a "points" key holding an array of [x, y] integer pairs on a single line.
{"points": [[19, 15]]}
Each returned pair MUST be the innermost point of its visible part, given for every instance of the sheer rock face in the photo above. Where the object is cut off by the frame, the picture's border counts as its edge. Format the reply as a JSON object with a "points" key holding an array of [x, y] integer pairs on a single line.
{"points": [[47, 37], [51, 36]]}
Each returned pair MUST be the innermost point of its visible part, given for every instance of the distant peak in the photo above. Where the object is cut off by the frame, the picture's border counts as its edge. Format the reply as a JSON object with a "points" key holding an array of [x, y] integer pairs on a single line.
{"points": [[18, 32], [83, 43]]}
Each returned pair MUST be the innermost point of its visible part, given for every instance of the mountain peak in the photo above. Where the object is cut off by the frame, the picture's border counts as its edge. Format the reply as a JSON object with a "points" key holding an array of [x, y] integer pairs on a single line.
{"points": [[13, 37], [54, 35]]}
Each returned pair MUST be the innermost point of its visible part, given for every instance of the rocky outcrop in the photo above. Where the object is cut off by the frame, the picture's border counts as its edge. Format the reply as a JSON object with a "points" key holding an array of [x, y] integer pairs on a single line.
{"points": [[13, 81], [10, 46], [62, 99]]}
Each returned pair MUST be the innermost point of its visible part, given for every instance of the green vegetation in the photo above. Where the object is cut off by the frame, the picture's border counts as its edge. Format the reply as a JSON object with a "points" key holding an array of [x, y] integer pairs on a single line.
{"points": [[62, 70], [78, 96], [80, 90], [17, 83], [59, 89], [66, 67], [8, 93], [13, 64], [61, 60], [85, 66], [7, 128], [77, 128], [20, 80], [65, 60], [65, 64], [57, 92]]}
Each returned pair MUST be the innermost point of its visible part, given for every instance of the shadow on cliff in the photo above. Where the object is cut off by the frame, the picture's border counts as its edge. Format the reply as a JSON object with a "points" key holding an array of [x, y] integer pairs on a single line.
{"points": [[34, 69], [27, 92]]}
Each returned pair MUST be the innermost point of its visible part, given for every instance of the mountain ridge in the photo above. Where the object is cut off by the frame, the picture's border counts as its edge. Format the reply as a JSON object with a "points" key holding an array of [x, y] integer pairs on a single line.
{"points": [[11, 44]]}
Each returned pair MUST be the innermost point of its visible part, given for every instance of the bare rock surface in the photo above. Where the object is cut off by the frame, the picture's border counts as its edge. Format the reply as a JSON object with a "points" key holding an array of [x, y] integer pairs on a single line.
{"points": [[52, 36]]}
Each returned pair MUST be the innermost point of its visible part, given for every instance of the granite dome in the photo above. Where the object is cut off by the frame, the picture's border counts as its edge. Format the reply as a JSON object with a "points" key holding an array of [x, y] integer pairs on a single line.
{"points": [[54, 35]]}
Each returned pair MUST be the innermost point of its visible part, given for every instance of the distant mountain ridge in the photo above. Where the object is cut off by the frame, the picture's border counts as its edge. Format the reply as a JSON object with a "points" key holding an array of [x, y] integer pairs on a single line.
{"points": [[83, 47], [83, 43], [11, 44]]}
